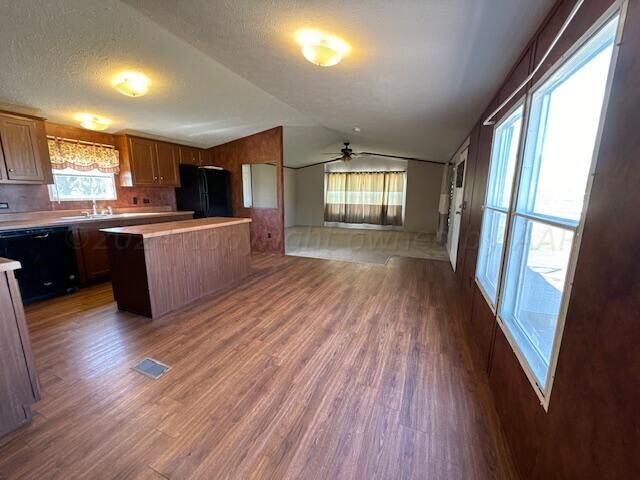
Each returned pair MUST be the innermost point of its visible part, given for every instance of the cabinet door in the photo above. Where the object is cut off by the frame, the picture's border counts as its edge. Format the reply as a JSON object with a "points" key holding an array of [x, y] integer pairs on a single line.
{"points": [[21, 150], [143, 161], [190, 156], [206, 157], [15, 386], [95, 256], [167, 164]]}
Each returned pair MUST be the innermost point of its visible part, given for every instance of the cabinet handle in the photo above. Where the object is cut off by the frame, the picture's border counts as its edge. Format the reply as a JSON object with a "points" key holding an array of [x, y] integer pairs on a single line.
{"points": [[161, 178], [155, 178]]}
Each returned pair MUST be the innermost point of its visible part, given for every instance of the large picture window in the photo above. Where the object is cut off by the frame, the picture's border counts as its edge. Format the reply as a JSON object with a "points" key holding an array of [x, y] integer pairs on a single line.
{"points": [[494, 223], [529, 283], [375, 198]]}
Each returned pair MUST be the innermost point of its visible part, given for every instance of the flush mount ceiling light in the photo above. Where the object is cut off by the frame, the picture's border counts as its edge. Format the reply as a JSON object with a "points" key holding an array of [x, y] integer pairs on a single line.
{"points": [[93, 122], [131, 83], [320, 48]]}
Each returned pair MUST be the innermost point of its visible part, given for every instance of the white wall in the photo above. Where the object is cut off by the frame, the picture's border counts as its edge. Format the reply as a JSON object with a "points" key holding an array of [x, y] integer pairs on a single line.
{"points": [[310, 196], [263, 185], [289, 198], [422, 197]]}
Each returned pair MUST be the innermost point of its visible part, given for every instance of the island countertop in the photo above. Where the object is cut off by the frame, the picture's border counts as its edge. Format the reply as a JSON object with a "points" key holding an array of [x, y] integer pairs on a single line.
{"points": [[171, 228]]}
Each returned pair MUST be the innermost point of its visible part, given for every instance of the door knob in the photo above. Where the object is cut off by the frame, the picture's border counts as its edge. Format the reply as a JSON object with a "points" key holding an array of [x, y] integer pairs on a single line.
{"points": [[11, 170]]}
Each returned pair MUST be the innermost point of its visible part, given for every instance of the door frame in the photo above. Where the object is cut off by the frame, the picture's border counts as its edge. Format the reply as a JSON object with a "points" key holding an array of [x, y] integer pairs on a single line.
{"points": [[461, 156]]}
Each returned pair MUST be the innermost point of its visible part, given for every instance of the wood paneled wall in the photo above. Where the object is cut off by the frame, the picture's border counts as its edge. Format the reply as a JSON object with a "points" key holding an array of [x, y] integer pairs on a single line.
{"points": [[592, 427], [267, 227], [32, 198]]}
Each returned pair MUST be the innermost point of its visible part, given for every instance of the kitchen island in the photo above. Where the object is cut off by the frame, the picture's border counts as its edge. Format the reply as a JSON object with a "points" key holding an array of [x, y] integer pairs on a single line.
{"points": [[158, 268]]}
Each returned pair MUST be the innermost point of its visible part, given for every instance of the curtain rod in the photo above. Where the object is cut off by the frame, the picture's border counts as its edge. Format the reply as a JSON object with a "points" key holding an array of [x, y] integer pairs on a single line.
{"points": [[373, 171], [490, 119], [84, 142]]}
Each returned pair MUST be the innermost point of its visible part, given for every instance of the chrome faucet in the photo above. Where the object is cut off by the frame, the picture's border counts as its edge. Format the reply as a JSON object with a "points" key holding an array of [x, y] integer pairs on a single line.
{"points": [[95, 206]]}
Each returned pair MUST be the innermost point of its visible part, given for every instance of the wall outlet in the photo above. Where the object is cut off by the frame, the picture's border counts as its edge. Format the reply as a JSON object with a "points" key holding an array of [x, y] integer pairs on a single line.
{"points": [[134, 200], [268, 235], [4, 206], [146, 200]]}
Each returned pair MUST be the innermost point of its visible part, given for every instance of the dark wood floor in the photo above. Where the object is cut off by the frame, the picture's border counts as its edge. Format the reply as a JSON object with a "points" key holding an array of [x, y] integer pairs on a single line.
{"points": [[312, 369]]}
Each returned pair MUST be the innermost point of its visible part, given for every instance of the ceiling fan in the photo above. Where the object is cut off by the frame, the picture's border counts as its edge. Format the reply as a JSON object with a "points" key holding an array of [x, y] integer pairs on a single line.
{"points": [[347, 154]]}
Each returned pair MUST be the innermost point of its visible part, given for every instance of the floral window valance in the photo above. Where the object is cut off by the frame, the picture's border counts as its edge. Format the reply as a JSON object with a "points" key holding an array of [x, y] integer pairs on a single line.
{"points": [[83, 156]]}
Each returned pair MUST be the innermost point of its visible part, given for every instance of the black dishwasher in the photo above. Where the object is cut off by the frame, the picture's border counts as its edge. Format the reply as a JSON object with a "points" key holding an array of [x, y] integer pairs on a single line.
{"points": [[48, 261]]}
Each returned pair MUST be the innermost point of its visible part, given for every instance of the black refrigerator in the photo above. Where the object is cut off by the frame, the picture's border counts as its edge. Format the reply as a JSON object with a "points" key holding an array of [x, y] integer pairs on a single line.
{"points": [[204, 190]]}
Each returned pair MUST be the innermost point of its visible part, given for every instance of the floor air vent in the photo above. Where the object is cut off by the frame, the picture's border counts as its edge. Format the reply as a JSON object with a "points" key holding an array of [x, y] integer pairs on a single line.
{"points": [[152, 368]]}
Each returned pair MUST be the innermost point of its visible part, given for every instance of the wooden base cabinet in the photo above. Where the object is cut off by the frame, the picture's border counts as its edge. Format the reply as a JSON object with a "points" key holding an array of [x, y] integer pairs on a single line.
{"points": [[19, 388], [92, 254]]}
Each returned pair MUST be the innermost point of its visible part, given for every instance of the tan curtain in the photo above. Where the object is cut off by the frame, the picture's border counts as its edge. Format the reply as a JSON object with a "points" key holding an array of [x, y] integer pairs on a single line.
{"points": [[364, 197], [393, 196], [83, 156]]}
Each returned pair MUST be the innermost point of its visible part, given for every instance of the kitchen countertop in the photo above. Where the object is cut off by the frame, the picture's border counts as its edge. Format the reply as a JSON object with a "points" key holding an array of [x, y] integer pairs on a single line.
{"points": [[6, 264], [171, 228], [79, 219]]}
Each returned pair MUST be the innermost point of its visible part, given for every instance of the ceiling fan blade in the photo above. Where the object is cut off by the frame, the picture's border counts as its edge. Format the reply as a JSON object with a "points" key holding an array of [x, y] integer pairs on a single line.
{"points": [[373, 154], [334, 153]]}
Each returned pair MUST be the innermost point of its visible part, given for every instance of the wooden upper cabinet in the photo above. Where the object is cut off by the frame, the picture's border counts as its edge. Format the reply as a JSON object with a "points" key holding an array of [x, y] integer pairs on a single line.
{"points": [[206, 157], [24, 157], [147, 163], [143, 161], [190, 155], [167, 161]]}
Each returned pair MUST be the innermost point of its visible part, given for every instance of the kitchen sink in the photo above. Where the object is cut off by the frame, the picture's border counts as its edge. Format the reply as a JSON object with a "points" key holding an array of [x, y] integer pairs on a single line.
{"points": [[106, 216], [85, 217]]}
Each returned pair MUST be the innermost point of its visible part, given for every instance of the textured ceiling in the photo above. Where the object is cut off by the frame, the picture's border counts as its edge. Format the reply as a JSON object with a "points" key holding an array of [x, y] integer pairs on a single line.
{"points": [[419, 75], [58, 58]]}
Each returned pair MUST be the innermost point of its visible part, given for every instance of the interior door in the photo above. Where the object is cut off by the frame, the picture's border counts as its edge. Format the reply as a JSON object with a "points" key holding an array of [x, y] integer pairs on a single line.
{"points": [[167, 164], [20, 149], [457, 206], [143, 161]]}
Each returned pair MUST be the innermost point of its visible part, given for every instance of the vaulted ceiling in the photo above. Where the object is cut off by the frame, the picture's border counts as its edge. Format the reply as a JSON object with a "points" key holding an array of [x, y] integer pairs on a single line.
{"points": [[418, 77]]}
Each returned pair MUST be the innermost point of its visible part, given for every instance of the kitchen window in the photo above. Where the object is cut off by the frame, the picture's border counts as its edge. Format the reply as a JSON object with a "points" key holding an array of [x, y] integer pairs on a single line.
{"points": [[75, 185], [529, 285]]}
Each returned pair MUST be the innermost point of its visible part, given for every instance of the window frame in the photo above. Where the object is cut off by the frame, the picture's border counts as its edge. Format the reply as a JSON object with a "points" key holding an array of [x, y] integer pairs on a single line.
{"points": [[367, 226], [54, 195], [619, 9], [522, 103]]}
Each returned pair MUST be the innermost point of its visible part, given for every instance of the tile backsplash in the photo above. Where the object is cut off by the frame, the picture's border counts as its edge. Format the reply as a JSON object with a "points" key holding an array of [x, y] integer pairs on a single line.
{"points": [[32, 198]]}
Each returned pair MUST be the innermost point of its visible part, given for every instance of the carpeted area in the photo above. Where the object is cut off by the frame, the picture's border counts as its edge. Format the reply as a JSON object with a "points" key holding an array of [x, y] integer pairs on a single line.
{"points": [[360, 246]]}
